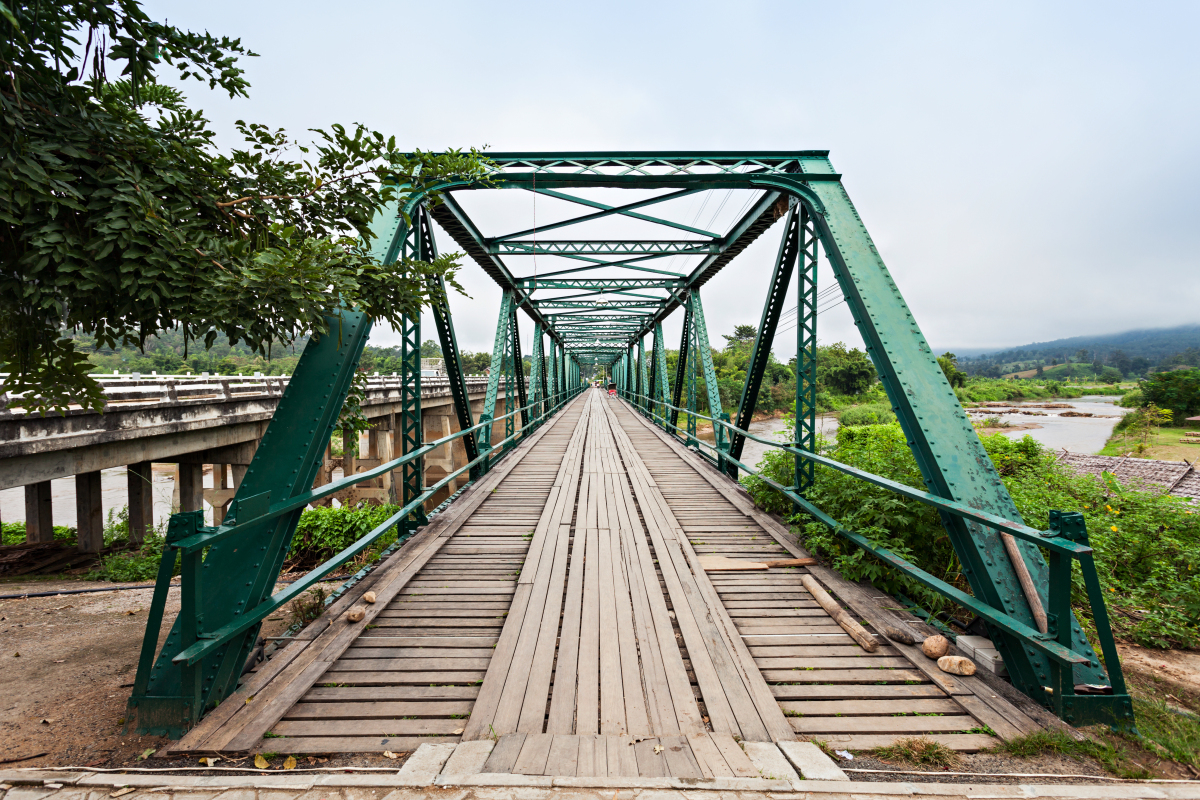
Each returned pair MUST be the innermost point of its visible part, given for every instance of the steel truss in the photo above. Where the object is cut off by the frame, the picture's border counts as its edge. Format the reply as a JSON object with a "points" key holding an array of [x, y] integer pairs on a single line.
{"points": [[595, 308]]}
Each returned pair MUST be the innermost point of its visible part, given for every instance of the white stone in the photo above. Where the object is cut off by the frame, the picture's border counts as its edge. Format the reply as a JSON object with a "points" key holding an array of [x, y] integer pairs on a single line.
{"points": [[424, 764], [469, 757], [813, 764], [769, 761]]}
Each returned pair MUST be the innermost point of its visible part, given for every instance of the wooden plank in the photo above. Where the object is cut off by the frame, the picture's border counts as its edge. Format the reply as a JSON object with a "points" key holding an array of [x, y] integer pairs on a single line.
{"points": [[504, 755], [333, 694], [712, 763], [962, 742], [735, 758], [681, 762], [855, 691], [380, 710], [300, 745], [564, 756], [561, 718], [587, 765], [819, 725], [842, 675], [612, 698], [587, 716], [906, 705], [622, 762], [366, 727], [649, 763], [534, 754]]}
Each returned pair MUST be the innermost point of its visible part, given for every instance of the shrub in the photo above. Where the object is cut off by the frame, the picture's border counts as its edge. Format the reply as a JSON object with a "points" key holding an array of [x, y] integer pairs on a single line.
{"points": [[1147, 543], [14, 533], [867, 414]]}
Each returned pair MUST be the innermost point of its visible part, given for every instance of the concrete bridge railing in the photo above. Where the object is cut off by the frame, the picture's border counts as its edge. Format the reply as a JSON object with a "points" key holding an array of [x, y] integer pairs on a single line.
{"points": [[196, 422]]}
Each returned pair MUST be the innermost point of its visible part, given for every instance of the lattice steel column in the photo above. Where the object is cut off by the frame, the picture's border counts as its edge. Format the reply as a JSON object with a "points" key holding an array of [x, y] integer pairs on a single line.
{"points": [[408, 421], [658, 376], [681, 366], [806, 352], [537, 382]]}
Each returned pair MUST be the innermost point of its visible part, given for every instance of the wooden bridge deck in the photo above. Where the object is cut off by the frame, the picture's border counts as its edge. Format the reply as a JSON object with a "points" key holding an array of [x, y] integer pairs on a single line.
{"points": [[559, 608]]}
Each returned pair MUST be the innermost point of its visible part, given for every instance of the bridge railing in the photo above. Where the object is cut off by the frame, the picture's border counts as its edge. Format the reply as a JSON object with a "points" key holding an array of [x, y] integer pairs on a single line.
{"points": [[188, 538], [158, 390], [1065, 541]]}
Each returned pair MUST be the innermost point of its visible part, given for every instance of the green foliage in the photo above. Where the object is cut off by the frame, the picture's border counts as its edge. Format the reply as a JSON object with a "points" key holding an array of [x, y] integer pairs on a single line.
{"points": [[1177, 390], [14, 533], [117, 222], [325, 531], [133, 566], [949, 364], [1147, 544], [867, 414], [844, 371], [1131, 399]]}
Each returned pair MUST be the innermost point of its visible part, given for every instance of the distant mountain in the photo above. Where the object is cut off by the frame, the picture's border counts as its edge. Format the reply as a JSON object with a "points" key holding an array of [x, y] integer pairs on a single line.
{"points": [[1133, 352]]}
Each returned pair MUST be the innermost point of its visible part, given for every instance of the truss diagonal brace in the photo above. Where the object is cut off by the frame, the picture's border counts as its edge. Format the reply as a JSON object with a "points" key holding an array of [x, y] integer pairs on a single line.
{"points": [[785, 264]]}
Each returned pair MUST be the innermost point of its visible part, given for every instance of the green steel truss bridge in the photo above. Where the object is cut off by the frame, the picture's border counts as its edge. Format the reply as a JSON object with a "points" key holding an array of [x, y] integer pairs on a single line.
{"points": [[597, 297]]}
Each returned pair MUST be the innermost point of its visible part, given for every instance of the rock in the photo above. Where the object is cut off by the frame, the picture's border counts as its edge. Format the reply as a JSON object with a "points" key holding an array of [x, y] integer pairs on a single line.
{"points": [[897, 635], [369, 597], [956, 665], [356, 613], [935, 646]]}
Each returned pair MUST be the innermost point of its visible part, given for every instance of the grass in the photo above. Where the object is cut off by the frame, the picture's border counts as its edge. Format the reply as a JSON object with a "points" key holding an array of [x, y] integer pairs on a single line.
{"points": [[1164, 734], [919, 751], [1164, 445]]}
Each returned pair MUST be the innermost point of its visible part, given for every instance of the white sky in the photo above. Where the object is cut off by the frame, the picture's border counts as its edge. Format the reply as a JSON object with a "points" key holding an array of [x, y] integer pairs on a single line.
{"points": [[1027, 169]]}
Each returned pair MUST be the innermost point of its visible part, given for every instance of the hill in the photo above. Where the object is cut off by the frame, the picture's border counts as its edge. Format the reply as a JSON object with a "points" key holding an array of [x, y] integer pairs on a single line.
{"points": [[1133, 353]]}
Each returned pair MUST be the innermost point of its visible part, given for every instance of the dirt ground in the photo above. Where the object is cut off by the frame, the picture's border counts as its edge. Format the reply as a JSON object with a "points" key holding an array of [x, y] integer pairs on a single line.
{"points": [[68, 667]]}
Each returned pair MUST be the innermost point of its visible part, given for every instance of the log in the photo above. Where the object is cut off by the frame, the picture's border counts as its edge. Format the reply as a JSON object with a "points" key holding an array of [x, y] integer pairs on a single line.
{"points": [[856, 631]]}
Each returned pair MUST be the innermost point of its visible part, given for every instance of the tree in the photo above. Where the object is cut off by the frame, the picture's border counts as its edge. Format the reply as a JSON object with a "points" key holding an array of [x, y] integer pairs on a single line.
{"points": [[844, 371], [431, 349], [119, 218], [1177, 391], [949, 364], [743, 335]]}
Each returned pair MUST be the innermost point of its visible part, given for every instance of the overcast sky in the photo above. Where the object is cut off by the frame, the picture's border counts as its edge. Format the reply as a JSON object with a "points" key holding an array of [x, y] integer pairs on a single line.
{"points": [[1028, 170]]}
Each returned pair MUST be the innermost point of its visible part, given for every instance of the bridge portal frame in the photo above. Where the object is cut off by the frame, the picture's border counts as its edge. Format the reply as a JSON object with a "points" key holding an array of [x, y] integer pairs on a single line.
{"points": [[201, 661]]}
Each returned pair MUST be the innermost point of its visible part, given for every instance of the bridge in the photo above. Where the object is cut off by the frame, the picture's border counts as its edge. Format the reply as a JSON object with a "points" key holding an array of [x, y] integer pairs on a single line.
{"points": [[574, 608], [193, 422]]}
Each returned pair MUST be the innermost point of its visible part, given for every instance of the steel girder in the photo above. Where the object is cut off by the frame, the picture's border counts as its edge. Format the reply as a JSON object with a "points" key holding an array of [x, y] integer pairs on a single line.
{"points": [[806, 353], [785, 263]]}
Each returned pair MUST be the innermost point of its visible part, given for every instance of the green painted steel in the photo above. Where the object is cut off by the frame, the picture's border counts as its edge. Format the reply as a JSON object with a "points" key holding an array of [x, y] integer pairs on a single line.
{"points": [[785, 264], [408, 420], [948, 451], [236, 575], [806, 353]]}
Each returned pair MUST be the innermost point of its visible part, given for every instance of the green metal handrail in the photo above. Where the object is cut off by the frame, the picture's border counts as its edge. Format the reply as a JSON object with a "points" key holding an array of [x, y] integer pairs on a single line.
{"points": [[1065, 539], [189, 539]]}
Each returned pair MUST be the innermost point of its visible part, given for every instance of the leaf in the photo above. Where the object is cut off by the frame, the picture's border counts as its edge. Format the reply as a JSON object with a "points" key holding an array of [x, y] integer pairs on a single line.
{"points": [[289, 763], [260, 762], [208, 761], [149, 751], [658, 748], [389, 754]]}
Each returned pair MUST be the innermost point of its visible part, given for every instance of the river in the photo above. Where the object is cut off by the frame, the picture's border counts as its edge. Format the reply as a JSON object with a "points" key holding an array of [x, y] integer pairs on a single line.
{"points": [[1077, 434]]}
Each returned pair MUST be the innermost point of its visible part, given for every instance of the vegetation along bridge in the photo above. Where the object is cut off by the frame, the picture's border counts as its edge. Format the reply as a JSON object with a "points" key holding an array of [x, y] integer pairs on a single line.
{"points": [[565, 612]]}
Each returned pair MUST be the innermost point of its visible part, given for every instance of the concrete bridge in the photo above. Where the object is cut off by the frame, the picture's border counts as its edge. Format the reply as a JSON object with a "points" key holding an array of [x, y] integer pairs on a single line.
{"points": [[194, 422]]}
